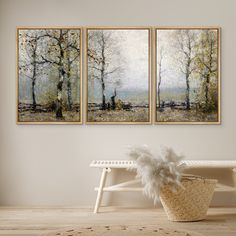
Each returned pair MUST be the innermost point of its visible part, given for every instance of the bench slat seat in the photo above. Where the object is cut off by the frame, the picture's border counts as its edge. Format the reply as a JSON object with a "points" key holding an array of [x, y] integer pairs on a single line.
{"points": [[189, 164]]}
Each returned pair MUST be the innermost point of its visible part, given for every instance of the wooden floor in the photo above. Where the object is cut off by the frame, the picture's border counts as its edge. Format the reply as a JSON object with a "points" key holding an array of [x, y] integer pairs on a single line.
{"points": [[35, 221]]}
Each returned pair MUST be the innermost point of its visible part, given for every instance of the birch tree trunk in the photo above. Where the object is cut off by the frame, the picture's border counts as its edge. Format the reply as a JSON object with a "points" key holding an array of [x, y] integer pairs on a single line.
{"points": [[59, 114], [159, 77], [187, 75], [210, 71], [34, 74], [102, 74], [187, 93], [62, 75], [187, 43], [207, 90], [33, 94], [69, 90]]}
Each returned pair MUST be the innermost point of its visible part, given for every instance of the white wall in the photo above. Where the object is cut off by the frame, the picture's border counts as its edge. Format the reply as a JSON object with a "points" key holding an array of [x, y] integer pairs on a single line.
{"points": [[48, 164]]}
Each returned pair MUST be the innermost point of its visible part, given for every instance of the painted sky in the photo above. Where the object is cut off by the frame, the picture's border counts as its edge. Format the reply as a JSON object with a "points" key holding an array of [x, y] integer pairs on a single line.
{"points": [[135, 51], [172, 77], [133, 55]]}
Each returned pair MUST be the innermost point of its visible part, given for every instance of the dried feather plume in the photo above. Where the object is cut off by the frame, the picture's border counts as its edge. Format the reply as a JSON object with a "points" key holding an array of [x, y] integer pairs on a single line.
{"points": [[156, 171]]}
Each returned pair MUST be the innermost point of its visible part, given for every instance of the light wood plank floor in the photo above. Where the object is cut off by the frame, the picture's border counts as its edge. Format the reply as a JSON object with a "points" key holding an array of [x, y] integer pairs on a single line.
{"points": [[35, 221]]}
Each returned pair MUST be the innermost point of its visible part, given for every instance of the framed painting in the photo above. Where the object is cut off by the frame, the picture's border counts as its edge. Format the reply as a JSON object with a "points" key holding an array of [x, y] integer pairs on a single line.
{"points": [[49, 75], [118, 75], [187, 75]]}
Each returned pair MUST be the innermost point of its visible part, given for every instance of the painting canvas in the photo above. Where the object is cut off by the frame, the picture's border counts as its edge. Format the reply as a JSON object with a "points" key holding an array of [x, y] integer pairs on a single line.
{"points": [[49, 75], [187, 76], [118, 75]]}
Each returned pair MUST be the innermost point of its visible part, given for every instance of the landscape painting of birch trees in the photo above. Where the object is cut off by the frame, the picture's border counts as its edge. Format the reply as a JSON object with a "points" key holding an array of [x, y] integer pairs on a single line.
{"points": [[187, 75], [118, 78], [49, 75]]}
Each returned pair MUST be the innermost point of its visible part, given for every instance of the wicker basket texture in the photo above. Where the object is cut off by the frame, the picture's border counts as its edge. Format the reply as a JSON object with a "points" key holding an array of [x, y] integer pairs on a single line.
{"points": [[189, 203]]}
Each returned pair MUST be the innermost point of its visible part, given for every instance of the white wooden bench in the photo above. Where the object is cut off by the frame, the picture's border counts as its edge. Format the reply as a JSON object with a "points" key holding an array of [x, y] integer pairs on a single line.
{"points": [[107, 165]]}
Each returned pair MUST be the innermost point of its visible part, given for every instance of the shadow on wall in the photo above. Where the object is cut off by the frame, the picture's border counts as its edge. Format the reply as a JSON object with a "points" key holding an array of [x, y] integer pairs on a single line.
{"points": [[138, 199]]}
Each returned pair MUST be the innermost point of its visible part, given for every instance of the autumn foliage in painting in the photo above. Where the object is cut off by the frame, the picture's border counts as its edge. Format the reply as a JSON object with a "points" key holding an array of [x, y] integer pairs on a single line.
{"points": [[49, 75]]}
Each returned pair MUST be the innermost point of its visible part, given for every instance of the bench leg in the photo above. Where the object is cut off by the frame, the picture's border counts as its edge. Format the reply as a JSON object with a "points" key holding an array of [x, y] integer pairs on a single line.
{"points": [[234, 172], [100, 189]]}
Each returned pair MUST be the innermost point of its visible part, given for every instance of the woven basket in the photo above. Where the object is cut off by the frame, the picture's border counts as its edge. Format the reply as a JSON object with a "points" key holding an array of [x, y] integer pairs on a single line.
{"points": [[191, 202], [234, 176]]}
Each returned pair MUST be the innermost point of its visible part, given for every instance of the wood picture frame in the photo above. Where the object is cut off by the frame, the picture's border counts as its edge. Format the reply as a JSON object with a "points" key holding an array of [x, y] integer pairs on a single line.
{"points": [[124, 103], [49, 75], [198, 105]]}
